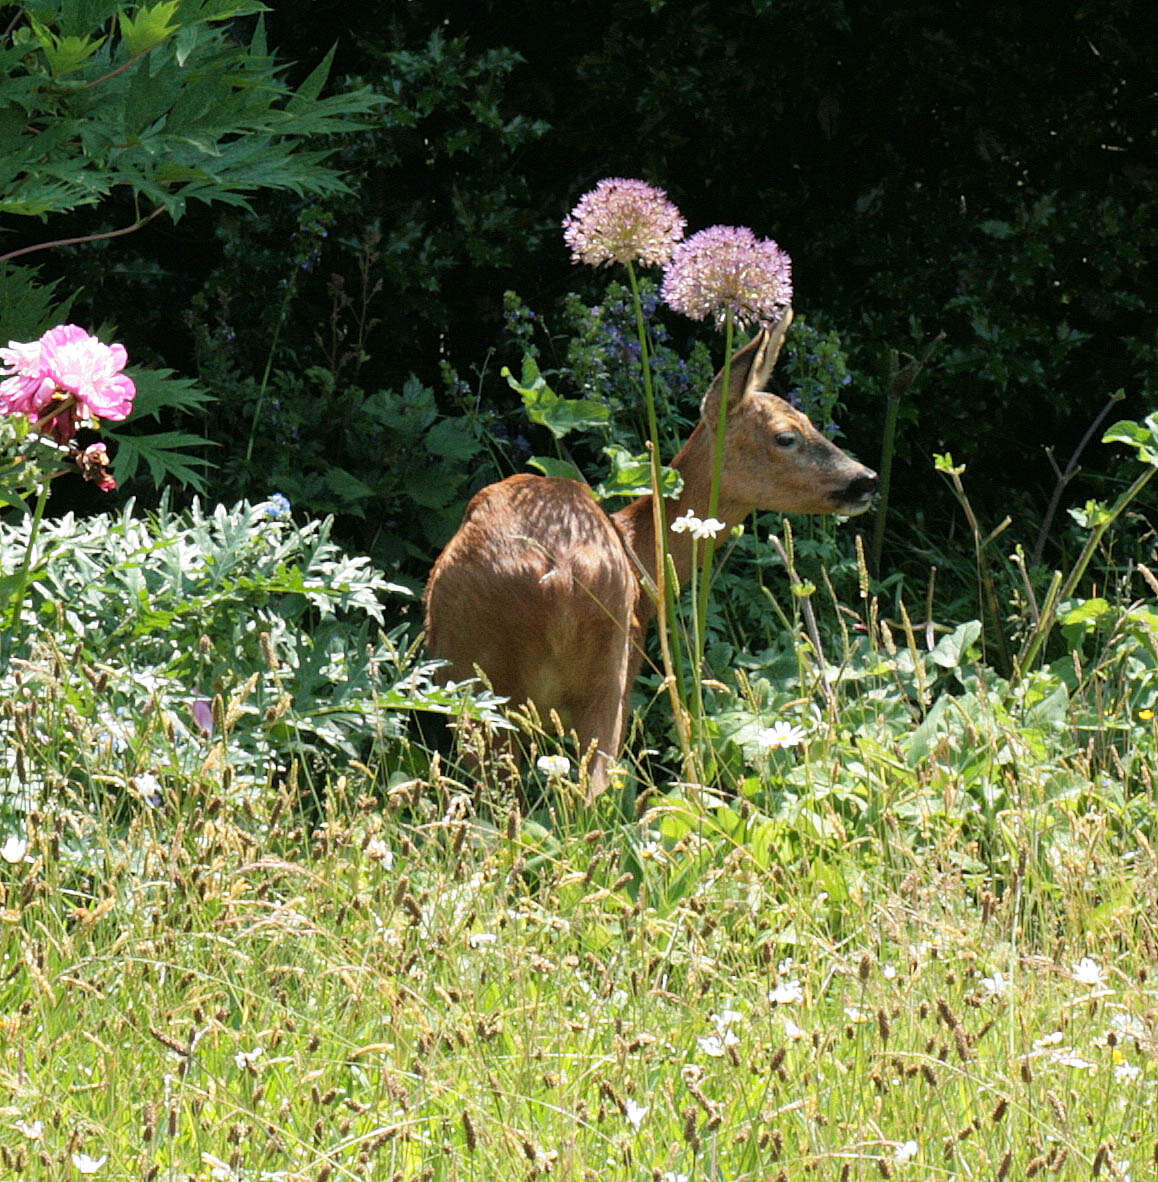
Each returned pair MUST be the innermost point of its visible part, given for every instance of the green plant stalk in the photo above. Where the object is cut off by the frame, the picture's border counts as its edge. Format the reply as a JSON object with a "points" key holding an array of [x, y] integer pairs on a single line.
{"points": [[899, 382], [701, 601], [1058, 593], [26, 563], [291, 287], [664, 586], [884, 478], [987, 590]]}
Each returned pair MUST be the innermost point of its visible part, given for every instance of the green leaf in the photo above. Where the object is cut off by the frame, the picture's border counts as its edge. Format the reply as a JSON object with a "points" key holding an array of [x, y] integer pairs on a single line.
{"points": [[150, 27], [951, 651], [1141, 436], [452, 439], [552, 467], [158, 390], [165, 453], [65, 54], [559, 415], [1082, 618], [630, 476], [28, 308]]}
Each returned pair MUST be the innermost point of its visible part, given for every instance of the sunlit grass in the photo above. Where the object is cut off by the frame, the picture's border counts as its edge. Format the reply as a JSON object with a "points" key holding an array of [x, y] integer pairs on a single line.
{"points": [[393, 993]]}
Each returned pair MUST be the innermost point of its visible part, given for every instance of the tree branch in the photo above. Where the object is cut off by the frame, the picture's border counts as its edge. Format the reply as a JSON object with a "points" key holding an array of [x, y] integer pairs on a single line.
{"points": [[12, 254]]}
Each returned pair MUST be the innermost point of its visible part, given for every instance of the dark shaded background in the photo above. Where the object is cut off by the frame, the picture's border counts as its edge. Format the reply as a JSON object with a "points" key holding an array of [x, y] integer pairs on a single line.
{"points": [[982, 170]]}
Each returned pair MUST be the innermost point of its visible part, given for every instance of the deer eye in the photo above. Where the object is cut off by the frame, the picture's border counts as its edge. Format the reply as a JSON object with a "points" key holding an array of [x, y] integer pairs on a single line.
{"points": [[786, 439]]}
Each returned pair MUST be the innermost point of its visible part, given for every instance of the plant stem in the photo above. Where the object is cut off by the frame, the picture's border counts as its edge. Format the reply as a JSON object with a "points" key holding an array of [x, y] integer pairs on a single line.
{"points": [[899, 382], [26, 563], [1060, 592], [664, 587], [291, 287], [137, 225], [701, 602]]}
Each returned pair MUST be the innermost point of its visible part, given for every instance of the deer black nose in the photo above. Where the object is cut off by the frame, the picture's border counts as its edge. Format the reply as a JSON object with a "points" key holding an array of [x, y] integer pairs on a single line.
{"points": [[861, 487]]}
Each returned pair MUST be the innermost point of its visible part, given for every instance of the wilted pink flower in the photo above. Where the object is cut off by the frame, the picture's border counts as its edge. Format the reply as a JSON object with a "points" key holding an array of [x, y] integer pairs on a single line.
{"points": [[65, 377], [728, 269], [94, 462], [623, 221]]}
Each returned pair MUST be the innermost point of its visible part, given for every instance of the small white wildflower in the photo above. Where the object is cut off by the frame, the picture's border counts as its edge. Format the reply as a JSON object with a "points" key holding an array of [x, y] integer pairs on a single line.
{"points": [[148, 788], [786, 993], [888, 971], [1048, 1040], [218, 1169], [482, 939], [554, 765], [856, 1014], [1128, 1026], [1072, 1059], [1088, 972], [634, 1113], [653, 851], [699, 528], [378, 851], [1127, 1072], [32, 1129], [906, 1151], [997, 985], [89, 1165], [725, 1019], [14, 849], [780, 734], [792, 1032], [670, 1176], [247, 1060], [716, 1044]]}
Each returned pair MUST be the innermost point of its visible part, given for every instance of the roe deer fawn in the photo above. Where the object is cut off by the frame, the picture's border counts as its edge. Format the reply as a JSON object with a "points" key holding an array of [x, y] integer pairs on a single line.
{"points": [[540, 589]]}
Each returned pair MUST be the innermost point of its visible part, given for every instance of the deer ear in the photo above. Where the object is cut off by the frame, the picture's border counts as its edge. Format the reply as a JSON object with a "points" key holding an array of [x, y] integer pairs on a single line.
{"points": [[749, 369]]}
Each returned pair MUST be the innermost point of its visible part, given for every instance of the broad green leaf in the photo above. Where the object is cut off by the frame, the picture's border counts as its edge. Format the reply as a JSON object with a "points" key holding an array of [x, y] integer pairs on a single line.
{"points": [[952, 651], [1141, 436], [553, 467], [559, 415], [452, 439], [630, 476]]}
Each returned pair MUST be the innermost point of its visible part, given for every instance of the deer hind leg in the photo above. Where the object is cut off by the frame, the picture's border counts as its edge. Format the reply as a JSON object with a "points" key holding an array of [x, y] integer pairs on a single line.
{"points": [[598, 713]]}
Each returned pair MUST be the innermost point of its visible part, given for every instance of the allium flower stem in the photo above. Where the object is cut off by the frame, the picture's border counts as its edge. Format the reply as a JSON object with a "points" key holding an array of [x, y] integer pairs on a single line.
{"points": [[664, 587], [701, 601]]}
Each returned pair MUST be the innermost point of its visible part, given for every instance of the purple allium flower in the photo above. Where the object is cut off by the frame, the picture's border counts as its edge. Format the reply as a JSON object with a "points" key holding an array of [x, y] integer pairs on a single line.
{"points": [[728, 269], [622, 221]]}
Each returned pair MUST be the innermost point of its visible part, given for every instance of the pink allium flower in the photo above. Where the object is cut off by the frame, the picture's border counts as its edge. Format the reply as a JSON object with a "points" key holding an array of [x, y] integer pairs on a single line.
{"points": [[728, 269], [622, 221], [82, 365]]}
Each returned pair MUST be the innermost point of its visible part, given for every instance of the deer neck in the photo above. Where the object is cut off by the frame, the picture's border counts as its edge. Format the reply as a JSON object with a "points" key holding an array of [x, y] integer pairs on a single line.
{"points": [[636, 521]]}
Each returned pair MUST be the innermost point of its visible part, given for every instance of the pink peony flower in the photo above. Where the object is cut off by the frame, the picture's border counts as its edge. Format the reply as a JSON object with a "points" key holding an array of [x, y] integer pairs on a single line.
{"points": [[27, 390], [65, 377], [623, 221], [728, 269], [82, 365]]}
